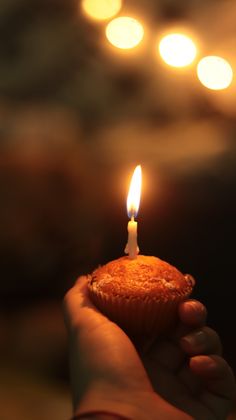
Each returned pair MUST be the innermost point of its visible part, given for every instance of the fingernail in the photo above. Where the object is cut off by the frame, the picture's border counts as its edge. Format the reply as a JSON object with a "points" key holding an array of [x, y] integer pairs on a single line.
{"points": [[197, 306], [205, 362], [211, 365], [195, 339]]}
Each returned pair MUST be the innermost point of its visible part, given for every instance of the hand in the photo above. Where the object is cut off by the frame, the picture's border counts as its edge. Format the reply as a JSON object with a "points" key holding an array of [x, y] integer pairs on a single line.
{"points": [[186, 367], [109, 372]]}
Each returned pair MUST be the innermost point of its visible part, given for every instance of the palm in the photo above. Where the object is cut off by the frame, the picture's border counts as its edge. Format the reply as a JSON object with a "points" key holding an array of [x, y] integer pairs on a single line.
{"points": [[167, 368]]}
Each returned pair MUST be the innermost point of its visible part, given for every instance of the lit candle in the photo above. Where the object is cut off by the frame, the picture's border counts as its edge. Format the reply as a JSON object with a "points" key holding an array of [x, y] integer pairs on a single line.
{"points": [[133, 201]]}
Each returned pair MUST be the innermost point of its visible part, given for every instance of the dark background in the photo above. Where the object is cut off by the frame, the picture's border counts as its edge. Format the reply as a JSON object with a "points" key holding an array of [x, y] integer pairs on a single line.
{"points": [[75, 119]]}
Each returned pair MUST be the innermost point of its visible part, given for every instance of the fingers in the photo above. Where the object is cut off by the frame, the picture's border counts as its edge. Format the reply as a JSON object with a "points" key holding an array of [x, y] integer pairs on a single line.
{"points": [[216, 372], [192, 313], [211, 380], [201, 341], [219, 382]]}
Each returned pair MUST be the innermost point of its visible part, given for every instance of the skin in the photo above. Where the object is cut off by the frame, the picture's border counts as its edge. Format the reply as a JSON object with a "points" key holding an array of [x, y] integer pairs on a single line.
{"points": [[181, 376]]}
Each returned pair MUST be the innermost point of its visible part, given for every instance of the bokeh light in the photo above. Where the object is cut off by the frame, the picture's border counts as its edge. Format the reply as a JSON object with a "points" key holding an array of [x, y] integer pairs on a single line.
{"points": [[215, 72], [102, 9], [124, 32], [177, 50]]}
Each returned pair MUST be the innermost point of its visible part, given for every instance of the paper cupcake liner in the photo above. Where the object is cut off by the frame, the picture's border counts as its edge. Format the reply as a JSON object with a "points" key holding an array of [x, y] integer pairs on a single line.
{"points": [[140, 317]]}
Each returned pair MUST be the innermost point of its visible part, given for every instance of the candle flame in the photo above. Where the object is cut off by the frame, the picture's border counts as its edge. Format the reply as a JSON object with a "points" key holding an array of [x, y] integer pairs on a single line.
{"points": [[133, 199]]}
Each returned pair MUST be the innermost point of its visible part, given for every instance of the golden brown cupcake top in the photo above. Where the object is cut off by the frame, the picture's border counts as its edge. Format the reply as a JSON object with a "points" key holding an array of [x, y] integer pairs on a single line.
{"points": [[144, 276]]}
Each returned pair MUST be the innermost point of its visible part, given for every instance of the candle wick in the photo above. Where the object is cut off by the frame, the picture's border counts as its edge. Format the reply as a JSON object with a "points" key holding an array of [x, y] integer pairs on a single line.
{"points": [[132, 218]]}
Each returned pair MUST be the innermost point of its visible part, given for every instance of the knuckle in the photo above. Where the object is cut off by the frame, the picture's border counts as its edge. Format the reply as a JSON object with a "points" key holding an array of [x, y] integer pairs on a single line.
{"points": [[67, 299], [211, 333], [214, 341]]}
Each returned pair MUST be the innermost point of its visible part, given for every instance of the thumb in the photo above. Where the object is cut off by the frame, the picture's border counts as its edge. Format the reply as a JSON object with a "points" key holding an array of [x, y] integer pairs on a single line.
{"points": [[79, 311]]}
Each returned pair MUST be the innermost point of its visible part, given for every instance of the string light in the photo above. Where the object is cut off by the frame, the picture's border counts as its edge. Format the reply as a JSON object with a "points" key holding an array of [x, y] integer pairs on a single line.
{"points": [[177, 50], [102, 9], [214, 72], [124, 32]]}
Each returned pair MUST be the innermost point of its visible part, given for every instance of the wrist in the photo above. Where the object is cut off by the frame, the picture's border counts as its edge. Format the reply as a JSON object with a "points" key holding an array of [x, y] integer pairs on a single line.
{"points": [[97, 415], [105, 398], [130, 404]]}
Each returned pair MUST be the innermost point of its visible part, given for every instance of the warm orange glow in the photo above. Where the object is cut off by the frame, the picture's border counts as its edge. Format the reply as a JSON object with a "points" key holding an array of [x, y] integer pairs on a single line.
{"points": [[133, 199], [101, 9], [124, 32], [215, 72], [177, 50]]}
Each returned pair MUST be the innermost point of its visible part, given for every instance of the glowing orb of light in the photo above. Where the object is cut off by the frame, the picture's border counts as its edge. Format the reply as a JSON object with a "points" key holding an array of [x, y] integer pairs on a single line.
{"points": [[124, 32], [101, 9], [177, 50], [214, 72]]}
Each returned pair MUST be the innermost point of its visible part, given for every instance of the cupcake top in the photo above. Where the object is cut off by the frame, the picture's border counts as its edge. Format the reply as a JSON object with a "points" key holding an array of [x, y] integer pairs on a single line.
{"points": [[144, 276]]}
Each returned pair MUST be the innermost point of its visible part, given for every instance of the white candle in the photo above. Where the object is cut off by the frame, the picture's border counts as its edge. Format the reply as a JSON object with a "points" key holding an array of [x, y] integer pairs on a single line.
{"points": [[133, 201], [132, 245]]}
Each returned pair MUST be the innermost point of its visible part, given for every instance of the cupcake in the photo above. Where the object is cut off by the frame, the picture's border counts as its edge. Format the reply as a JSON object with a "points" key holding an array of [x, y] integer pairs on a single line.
{"points": [[141, 295]]}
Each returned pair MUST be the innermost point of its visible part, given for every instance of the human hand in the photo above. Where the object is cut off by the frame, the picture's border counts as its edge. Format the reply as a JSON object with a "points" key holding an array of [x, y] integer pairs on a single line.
{"points": [[111, 373], [186, 367]]}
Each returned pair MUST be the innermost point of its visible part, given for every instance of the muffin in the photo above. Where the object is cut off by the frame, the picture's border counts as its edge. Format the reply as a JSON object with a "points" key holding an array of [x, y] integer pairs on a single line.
{"points": [[141, 295]]}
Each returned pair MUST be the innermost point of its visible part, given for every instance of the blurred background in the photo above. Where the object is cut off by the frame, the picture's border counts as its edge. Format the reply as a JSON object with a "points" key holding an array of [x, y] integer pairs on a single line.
{"points": [[79, 109]]}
